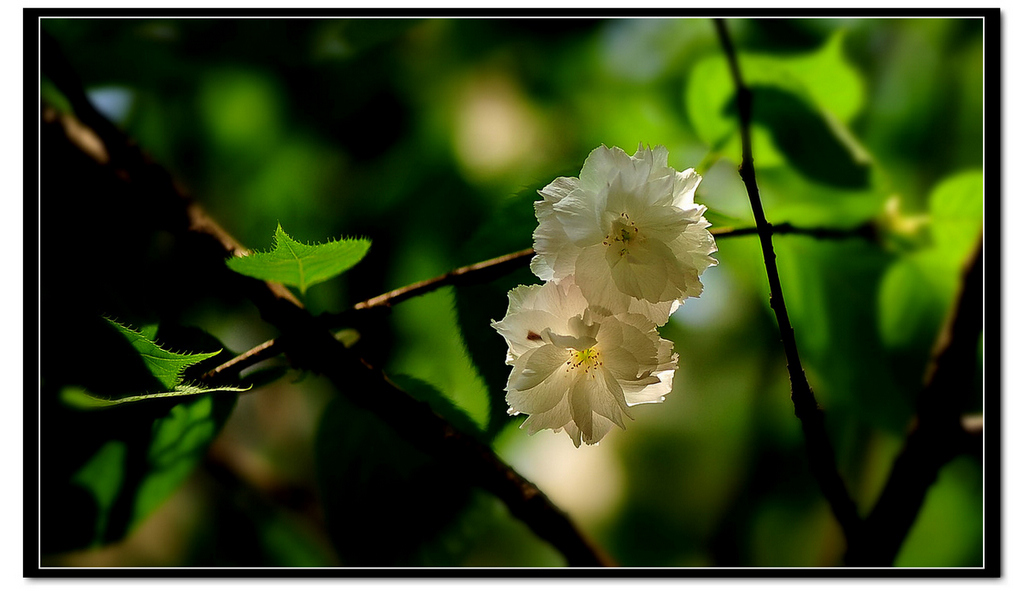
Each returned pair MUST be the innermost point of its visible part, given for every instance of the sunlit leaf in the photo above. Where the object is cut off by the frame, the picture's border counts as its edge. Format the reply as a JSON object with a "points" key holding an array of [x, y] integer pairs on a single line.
{"points": [[914, 296], [948, 530], [955, 205], [301, 265], [815, 144], [801, 106], [79, 398], [166, 366], [918, 290]]}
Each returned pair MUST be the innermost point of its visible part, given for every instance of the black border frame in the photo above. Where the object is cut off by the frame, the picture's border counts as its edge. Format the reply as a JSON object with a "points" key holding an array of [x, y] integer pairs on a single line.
{"points": [[992, 329]]}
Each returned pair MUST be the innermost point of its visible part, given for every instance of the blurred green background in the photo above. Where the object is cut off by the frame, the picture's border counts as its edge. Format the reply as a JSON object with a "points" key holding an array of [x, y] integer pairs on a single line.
{"points": [[431, 137]]}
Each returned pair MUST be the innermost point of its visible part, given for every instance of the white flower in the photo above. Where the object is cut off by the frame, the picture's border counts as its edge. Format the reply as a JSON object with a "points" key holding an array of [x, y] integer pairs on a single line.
{"points": [[576, 369], [628, 230]]}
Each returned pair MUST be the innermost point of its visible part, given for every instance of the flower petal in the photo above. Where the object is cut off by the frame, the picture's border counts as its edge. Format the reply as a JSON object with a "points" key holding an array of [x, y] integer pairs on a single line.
{"points": [[552, 419], [580, 409], [602, 165], [683, 188], [543, 397], [535, 366], [593, 274]]}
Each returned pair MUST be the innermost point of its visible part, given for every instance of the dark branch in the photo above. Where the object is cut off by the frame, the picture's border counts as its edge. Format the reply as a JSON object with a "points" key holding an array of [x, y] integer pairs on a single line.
{"points": [[819, 449], [311, 347], [940, 432], [488, 270]]}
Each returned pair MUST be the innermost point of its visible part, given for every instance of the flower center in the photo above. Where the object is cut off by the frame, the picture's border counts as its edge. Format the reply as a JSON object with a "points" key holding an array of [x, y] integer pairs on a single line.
{"points": [[585, 361], [624, 234]]}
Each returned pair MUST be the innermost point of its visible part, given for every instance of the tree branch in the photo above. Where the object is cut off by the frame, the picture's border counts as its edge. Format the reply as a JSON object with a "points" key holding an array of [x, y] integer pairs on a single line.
{"points": [[940, 432], [821, 456], [310, 346], [493, 268]]}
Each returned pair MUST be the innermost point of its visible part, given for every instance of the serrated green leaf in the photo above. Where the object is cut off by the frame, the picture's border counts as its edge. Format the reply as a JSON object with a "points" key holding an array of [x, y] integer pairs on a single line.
{"points": [[79, 398], [166, 366], [301, 265]]}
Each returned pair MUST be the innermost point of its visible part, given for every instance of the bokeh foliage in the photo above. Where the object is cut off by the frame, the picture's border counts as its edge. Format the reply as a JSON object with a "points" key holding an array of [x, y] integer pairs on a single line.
{"points": [[430, 137]]}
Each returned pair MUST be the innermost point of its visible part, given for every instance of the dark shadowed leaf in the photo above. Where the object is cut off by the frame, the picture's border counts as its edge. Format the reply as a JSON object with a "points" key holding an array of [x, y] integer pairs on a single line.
{"points": [[384, 501], [815, 144], [510, 229]]}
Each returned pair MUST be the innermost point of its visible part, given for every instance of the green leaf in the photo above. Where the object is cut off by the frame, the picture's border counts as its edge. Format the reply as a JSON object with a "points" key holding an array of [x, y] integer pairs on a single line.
{"points": [[801, 105], [919, 289], [913, 299], [815, 144], [166, 366], [79, 398], [385, 501], [442, 405], [301, 265], [102, 476], [509, 229], [178, 441], [955, 205]]}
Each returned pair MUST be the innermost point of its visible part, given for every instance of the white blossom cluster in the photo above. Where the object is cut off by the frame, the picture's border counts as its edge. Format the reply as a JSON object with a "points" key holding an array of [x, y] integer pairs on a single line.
{"points": [[619, 248]]}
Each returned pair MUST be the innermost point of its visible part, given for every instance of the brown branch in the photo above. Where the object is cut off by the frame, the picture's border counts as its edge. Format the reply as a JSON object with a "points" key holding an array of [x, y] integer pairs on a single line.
{"points": [[493, 268], [939, 433], [821, 456], [310, 346]]}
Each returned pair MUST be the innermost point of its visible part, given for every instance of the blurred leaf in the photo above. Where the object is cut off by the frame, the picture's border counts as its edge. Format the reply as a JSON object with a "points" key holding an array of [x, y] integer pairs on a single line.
{"points": [[955, 205], [815, 144], [288, 545], [177, 442], [242, 110], [440, 404], [384, 501], [829, 286], [949, 528], [508, 230], [918, 290], [913, 298], [301, 265], [102, 477], [802, 101], [166, 366], [831, 81], [49, 93]]}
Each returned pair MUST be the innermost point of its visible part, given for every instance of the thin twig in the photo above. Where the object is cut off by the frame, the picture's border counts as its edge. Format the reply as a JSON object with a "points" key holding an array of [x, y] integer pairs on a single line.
{"points": [[940, 432], [261, 352], [496, 267], [819, 449]]}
